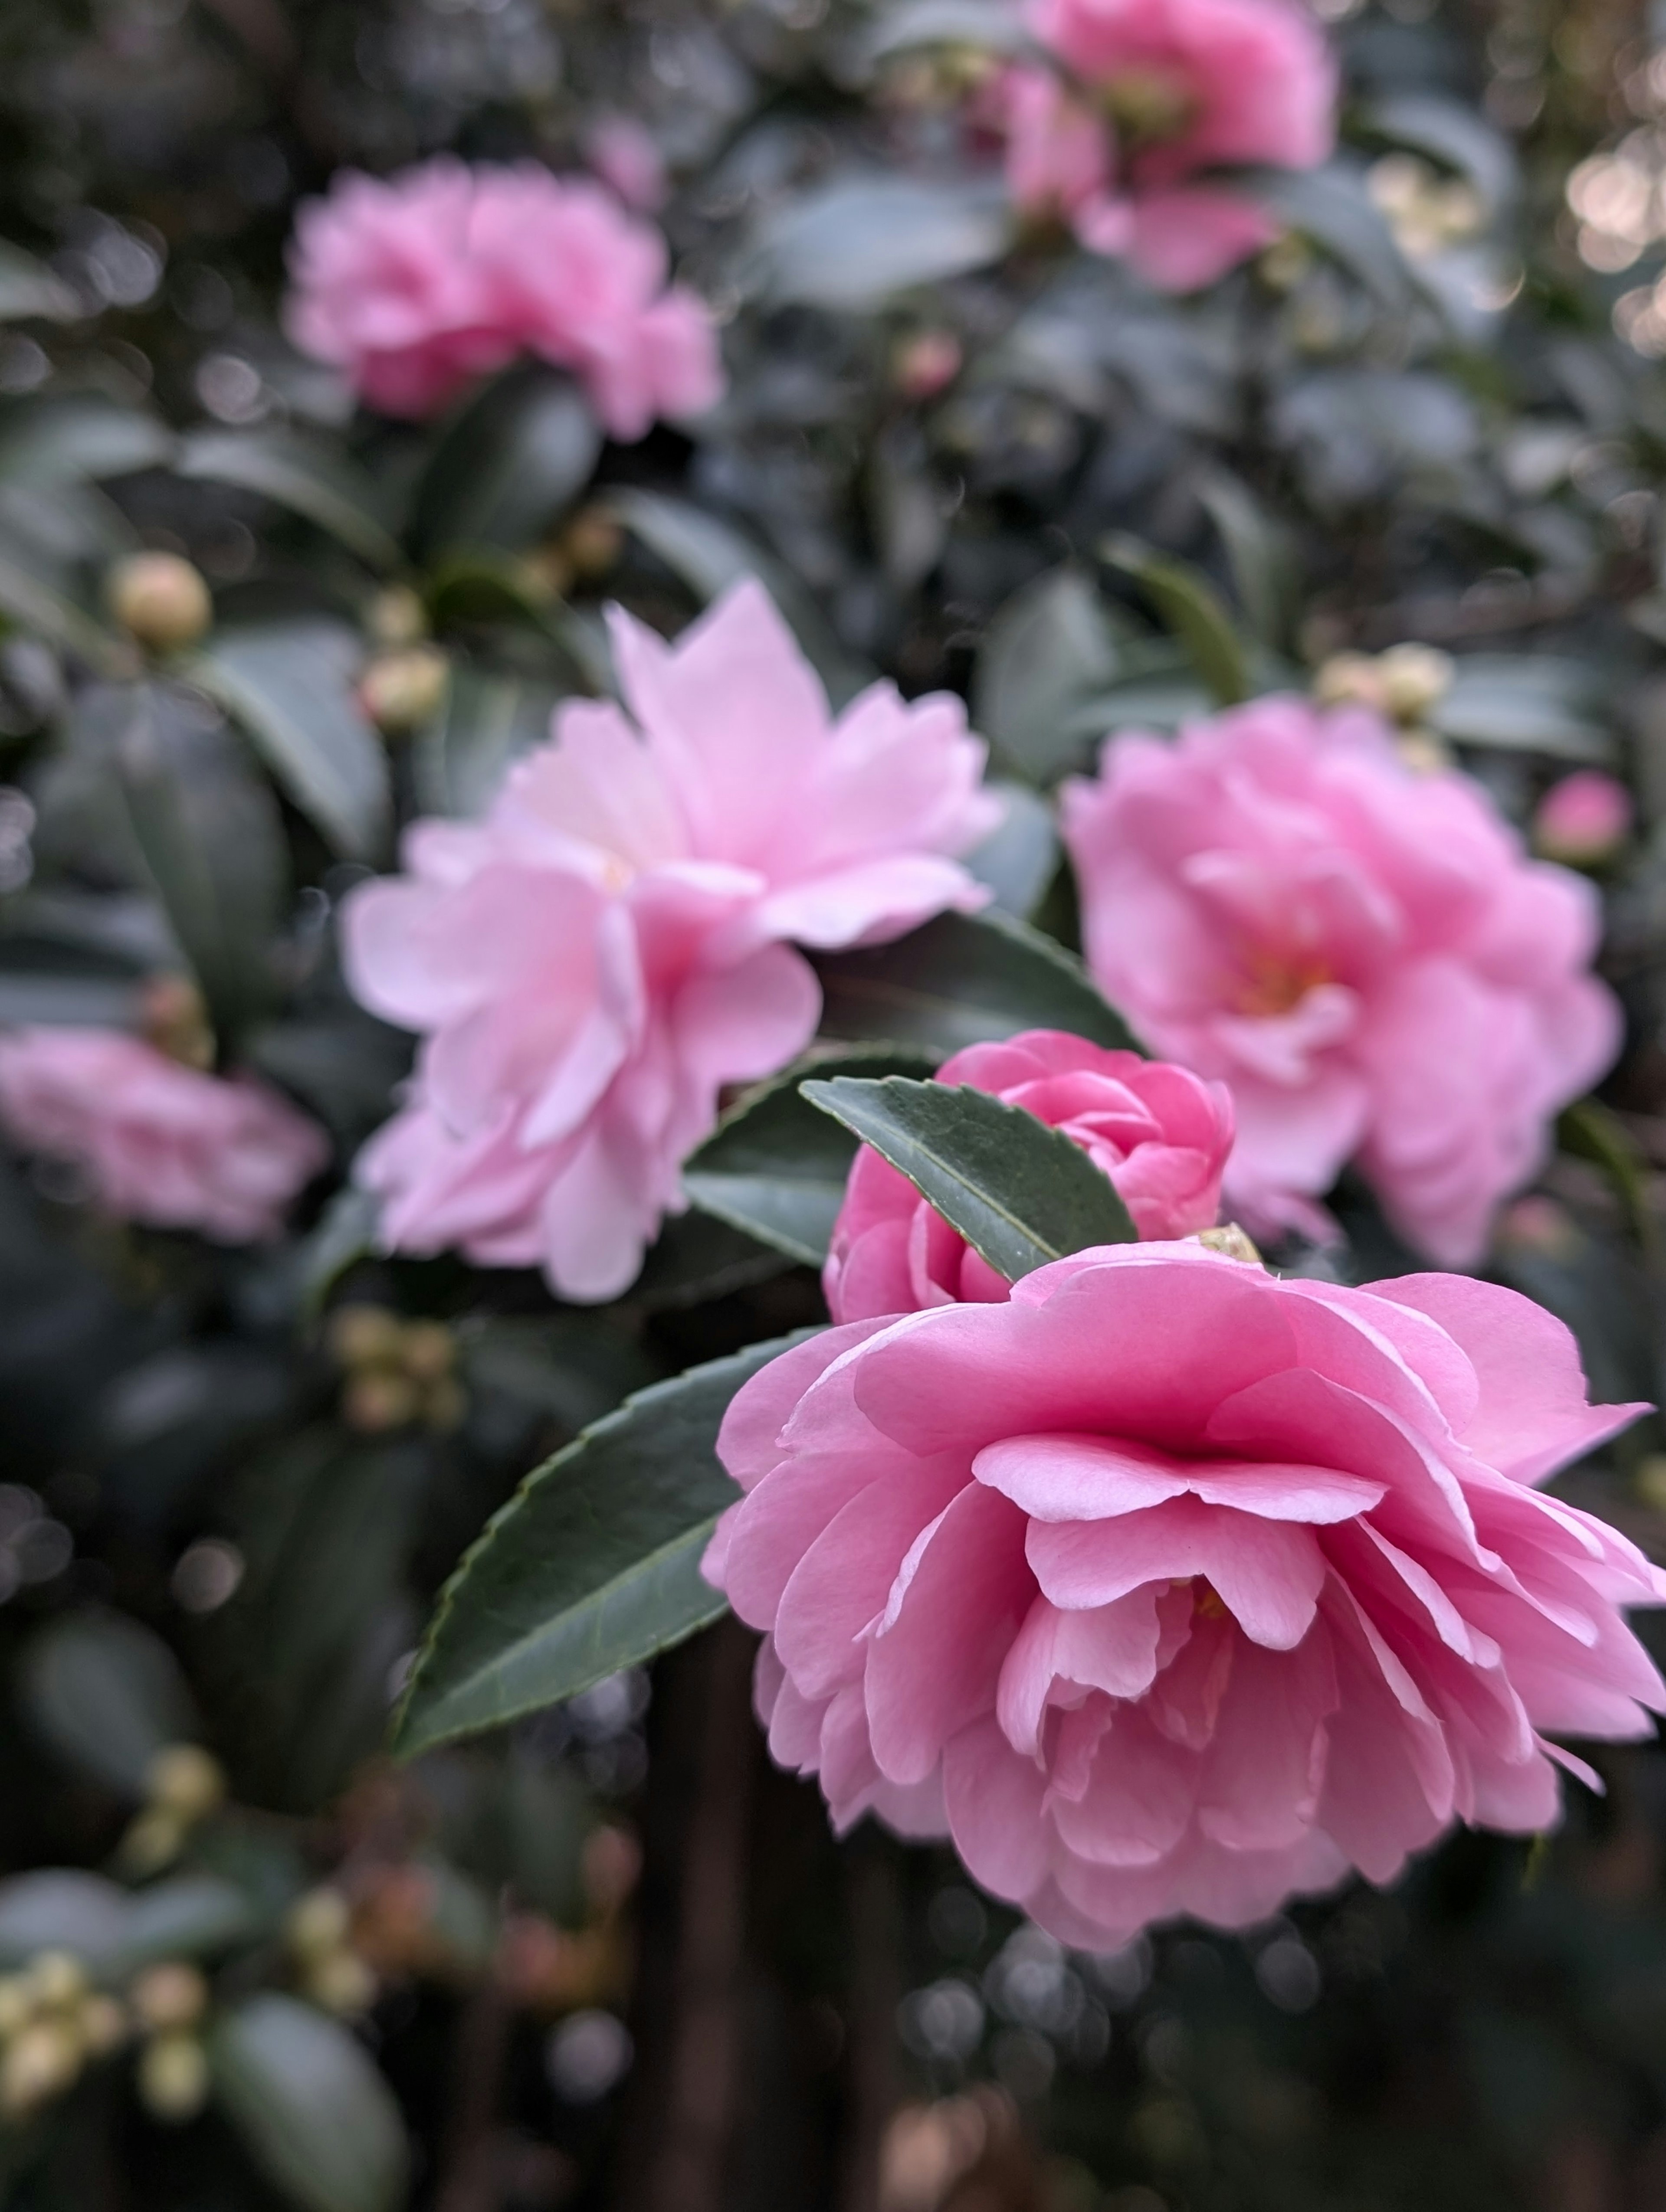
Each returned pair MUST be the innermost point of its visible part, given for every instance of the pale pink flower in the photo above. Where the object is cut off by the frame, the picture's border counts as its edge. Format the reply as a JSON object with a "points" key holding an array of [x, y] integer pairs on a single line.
{"points": [[1169, 1587], [591, 962], [1363, 954], [1160, 1134], [1584, 819], [626, 156], [416, 286], [158, 1141], [1163, 91]]}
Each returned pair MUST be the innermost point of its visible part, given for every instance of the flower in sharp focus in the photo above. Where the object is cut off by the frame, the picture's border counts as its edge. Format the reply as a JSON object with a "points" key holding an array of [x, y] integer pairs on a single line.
{"points": [[1159, 1133], [1162, 93], [1363, 955], [596, 959], [1169, 1586], [156, 1141], [416, 286]]}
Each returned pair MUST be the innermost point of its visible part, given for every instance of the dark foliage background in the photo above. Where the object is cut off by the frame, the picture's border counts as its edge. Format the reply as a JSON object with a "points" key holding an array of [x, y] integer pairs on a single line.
{"points": [[612, 1960]]}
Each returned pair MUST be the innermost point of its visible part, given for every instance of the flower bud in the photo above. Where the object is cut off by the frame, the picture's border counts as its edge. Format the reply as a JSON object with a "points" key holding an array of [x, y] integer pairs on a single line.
{"points": [[152, 1842], [924, 364], [161, 600], [428, 1351], [103, 2023], [173, 2077], [592, 542], [1231, 1241], [169, 1996], [55, 1981], [399, 690], [365, 1336], [174, 1018], [374, 1400], [186, 1781], [1351, 679], [1583, 820], [1413, 677], [341, 1982], [398, 616], [37, 2065], [318, 1922]]}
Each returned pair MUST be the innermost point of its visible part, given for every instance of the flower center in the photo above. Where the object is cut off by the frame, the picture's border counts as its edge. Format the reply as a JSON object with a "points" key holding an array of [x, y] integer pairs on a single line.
{"points": [[1274, 982], [1147, 105]]}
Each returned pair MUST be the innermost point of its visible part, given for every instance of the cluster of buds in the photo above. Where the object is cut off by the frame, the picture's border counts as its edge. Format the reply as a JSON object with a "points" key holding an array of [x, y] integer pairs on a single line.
{"points": [[397, 1372], [53, 2023], [587, 550], [329, 1969], [939, 75], [1427, 212], [183, 1785], [403, 683], [544, 1968], [1402, 685], [160, 599], [168, 2003]]}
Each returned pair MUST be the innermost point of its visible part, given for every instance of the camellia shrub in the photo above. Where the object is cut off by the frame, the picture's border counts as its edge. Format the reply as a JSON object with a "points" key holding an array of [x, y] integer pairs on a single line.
{"points": [[832, 965]]}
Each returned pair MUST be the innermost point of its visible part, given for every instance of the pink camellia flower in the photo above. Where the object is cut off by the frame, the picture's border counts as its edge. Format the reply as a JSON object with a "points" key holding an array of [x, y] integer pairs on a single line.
{"points": [[1160, 1134], [156, 1140], [416, 286], [1166, 1586], [1363, 954], [1584, 819], [591, 962], [1164, 92]]}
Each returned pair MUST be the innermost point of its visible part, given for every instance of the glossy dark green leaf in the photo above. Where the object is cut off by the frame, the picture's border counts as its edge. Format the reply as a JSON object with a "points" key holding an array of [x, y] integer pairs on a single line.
{"points": [[1331, 208], [593, 1565], [78, 437], [306, 474], [1049, 652], [1261, 553], [860, 239], [1020, 856], [290, 685], [192, 1915], [709, 554], [344, 1233], [776, 1167], [990, 25], [312, 2107], [1191, 608], [958, 980], [61, 1909], [1450, 131], [1531, 702], [55, 544], [695, 1257], [107, 1695], [489, 717], [209, 831], [1021, 1193], [508, 465]]}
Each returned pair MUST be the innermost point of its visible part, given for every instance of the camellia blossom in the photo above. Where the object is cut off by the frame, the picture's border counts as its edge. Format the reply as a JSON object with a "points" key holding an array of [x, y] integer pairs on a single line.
{"points": [[158, 1141], [1363, 955], [1584, 819], [416, 286], [591, 962], [1166, 1586], [1159, 1133], [1161, 93]]}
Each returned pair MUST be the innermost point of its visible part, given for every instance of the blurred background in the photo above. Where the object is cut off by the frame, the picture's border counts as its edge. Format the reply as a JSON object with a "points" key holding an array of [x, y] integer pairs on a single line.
{"points": [[612, 1959]]}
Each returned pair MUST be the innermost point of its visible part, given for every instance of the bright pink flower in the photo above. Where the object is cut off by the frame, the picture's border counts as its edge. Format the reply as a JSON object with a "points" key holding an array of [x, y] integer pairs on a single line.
{"points": [[1583, 820], [1160, 1134], [158, 1141], [1167, 1586], [1165, 91], [416, 286], [1361, 953], [595, 960]]}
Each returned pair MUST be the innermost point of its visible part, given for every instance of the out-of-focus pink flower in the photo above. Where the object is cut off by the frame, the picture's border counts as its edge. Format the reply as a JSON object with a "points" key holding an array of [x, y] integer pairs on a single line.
{"points": [[1363, 955], [1162, 93], [416, 286], [158, 1141], [1159, 1133], [1169, 1587], [596, 959], [1583, 820], [927, 363], [625, 155]]}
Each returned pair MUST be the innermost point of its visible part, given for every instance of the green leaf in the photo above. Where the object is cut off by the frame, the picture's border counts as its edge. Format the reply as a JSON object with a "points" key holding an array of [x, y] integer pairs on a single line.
{"points": [[1019, 857], [1331, 208], [489, 717], [209, 834], [1191, 608], [1451, 132], [78, 437], [858, 241], [61, 1909], [958, 980], [695, 1257], [1021, 1193], [593, 1565], [28, 289], [993, 25], [53, 547], [776, 1168], [710, 555], [191, 1916], [314, 480], [313, 2109], [1526, 702], [107, 1695], [508, 466], [1261, 553], [1047, 654], [290, 684], [344, 1233]]}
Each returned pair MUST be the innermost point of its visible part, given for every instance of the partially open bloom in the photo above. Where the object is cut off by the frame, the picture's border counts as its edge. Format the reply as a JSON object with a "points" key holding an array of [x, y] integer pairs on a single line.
{"points": [[1159, 1133], [1162, 93], [156, 1140], [1362, 955], [594, 960], [1168, 1586], [416, 286]]}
